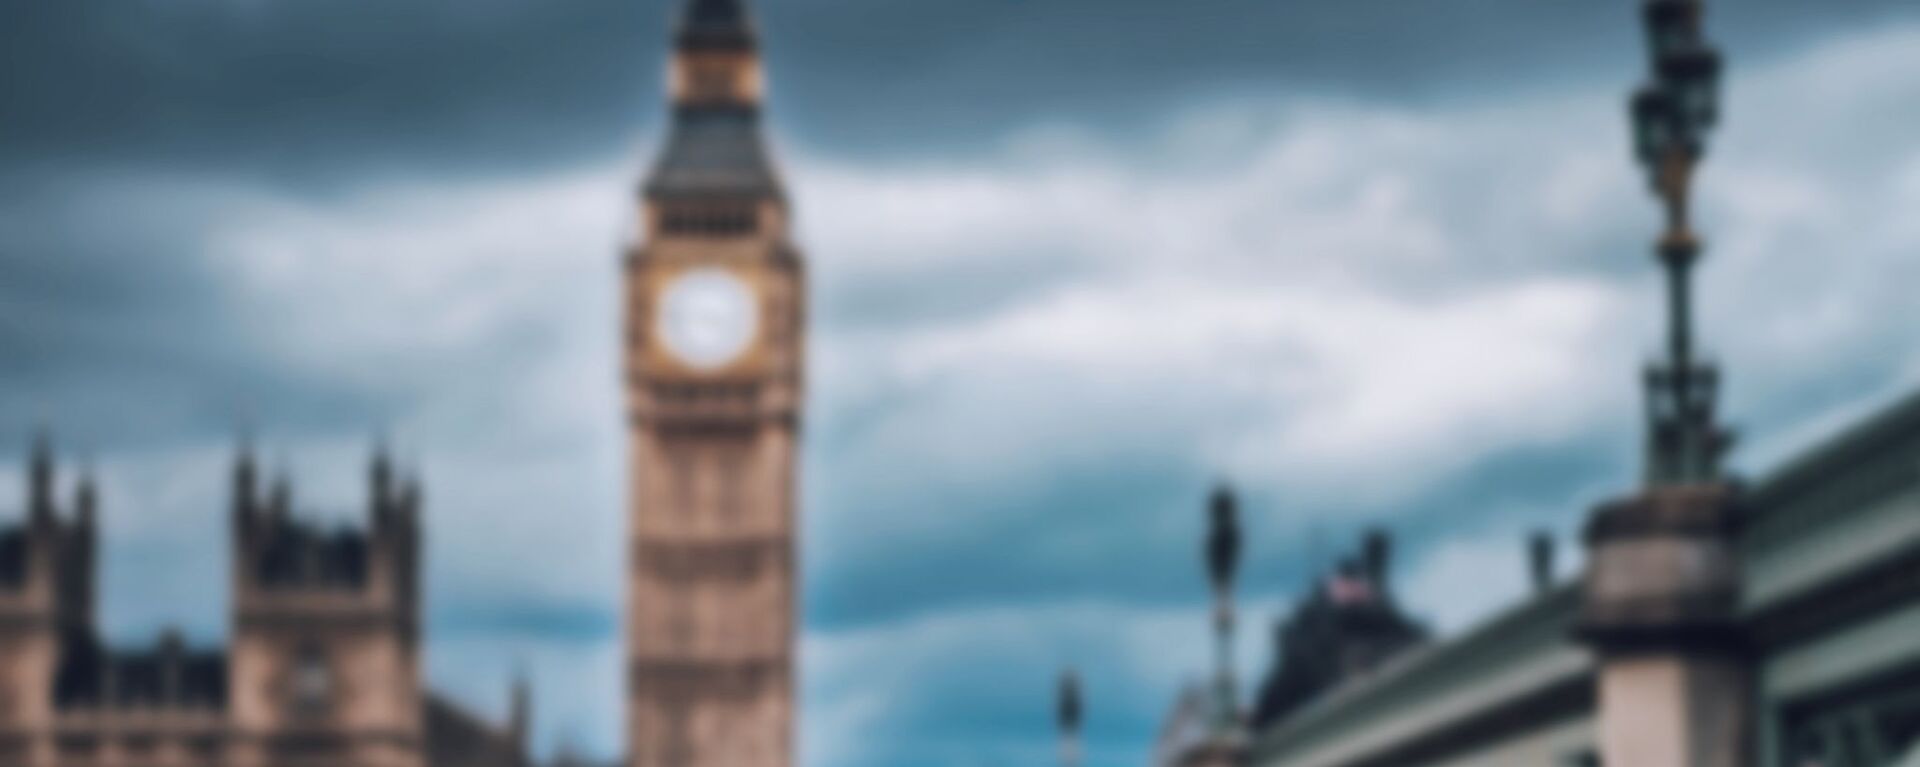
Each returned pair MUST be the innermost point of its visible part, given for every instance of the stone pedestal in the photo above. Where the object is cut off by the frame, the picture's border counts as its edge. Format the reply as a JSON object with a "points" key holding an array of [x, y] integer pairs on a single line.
{"points": [[1660, 602]]}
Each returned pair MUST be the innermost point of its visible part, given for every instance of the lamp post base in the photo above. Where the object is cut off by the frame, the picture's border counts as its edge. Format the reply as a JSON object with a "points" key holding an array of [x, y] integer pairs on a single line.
{"points": [[1659, 610]]}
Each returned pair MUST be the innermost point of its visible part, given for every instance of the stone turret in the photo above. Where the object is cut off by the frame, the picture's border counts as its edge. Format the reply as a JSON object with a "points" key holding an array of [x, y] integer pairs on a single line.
{"points": [[326, 625], [323, 668], [46, 601]]}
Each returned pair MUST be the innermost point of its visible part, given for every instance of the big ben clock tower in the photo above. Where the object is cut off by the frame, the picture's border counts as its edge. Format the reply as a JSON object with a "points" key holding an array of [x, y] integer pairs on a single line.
{"points": [[715, 298]]}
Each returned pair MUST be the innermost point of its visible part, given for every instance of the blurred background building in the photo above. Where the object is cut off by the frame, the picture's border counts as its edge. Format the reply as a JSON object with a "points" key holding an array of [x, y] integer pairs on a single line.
{"points": [[323, 665]]}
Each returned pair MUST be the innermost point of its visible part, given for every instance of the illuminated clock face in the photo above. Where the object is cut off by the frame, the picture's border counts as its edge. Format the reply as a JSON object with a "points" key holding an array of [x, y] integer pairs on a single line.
{"points": [[707, 318]]}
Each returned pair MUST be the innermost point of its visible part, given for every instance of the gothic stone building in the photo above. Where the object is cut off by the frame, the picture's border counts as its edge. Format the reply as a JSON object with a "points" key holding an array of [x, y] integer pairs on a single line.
{"points": [[323, 669], [715, 298]]}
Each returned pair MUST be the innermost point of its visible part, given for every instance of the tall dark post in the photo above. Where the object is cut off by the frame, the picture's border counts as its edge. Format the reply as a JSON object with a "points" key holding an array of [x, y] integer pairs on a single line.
{"points": [[1070, 712], [1672, 113], [1662, 585], [1223, 561]]}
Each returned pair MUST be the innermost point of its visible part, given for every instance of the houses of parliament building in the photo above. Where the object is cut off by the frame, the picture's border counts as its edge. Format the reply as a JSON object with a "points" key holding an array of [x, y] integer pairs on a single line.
{"points": [[323, 666]]}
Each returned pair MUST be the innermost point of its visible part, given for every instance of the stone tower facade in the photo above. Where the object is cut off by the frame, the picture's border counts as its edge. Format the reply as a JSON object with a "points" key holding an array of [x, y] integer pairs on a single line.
{"points": [[46, 605], [323, 669], [715, 297], [325, 657]]}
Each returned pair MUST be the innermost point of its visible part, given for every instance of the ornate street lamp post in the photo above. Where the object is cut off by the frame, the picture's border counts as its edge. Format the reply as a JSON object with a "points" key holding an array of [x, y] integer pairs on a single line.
{"points": [[1671, 115], [1659, 604]]}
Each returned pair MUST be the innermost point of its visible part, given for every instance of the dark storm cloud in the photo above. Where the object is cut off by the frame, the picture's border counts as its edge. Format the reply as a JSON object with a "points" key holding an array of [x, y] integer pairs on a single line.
{"points": [[113, 332], [302, 87], [298, 85], [901, 76]]}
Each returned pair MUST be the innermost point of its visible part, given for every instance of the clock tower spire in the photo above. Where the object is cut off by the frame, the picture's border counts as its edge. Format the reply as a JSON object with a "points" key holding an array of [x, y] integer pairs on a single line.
{"points": [[715, 84], [715, 308]]}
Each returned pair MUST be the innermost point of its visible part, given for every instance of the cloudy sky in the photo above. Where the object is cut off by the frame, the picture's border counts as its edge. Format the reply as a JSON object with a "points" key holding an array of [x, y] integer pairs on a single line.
{"points": [[1377, 262]]}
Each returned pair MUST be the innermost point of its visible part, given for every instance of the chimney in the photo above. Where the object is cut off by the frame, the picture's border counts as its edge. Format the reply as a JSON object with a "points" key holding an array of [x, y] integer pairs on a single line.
{"points": [[1540, 560]]}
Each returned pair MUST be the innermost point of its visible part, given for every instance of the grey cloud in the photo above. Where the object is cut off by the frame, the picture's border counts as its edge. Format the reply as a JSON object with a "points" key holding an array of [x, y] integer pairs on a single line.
{"points": [[117, 335], [867, 75], [300, 87], [314, 90]]}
